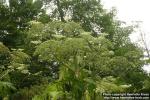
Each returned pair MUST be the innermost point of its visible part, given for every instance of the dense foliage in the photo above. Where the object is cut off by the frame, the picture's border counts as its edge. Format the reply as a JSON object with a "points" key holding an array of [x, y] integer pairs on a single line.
{"points": [[77, 52]]}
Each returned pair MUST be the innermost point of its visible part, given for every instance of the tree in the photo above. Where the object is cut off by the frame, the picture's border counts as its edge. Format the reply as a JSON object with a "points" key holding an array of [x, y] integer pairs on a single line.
{"points": [[15, 17], [89, 13], [77, 52], [82, 54], [72, 56]]}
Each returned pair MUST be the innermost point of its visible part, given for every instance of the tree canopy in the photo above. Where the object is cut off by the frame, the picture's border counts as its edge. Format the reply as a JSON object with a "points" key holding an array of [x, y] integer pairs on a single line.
{"points": [[66, 50]]}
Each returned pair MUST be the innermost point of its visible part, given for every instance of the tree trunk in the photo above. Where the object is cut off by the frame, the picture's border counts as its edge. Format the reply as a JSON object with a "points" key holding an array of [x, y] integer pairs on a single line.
{"points": [[61, 13]]}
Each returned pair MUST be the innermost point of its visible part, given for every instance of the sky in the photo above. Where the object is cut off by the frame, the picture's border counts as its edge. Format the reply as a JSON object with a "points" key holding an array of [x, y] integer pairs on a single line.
{"points": [[133, 10]]}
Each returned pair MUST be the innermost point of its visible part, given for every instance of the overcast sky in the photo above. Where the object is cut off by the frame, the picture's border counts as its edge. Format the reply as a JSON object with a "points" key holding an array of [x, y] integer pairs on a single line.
{"points": [[133, 10]]}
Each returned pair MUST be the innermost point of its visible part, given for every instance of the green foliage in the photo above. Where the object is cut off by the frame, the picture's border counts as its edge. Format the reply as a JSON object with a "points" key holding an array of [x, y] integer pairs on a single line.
{"points": [[44, 18], [83, 56], [27, 93], [146, 87], [6, 88], [110, 84], [76, 53], [14, 18], [4, 55], [88, 13], [74, 56], [5, 59], [20, 57], [53, 30], [20, 62]]}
